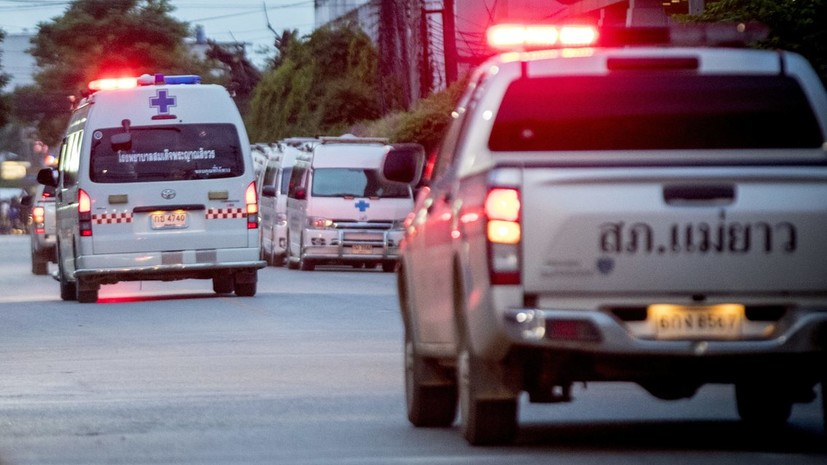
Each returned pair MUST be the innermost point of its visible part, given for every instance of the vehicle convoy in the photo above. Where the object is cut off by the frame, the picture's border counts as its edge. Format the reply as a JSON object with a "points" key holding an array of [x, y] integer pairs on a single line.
{"points": [[649, 214], [339, 211], [273, 184], [42, 229], [155, 181]]}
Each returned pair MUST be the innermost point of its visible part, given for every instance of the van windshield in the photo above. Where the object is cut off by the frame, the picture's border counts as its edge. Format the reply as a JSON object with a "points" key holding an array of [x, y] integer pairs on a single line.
{"points": [[166, 153], [354, 182]]}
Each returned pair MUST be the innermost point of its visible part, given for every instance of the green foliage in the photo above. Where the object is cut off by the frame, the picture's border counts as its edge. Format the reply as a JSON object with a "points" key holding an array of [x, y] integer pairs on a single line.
{"points": [[104, 38], [317, 86], [425, 124], [795, 25]]}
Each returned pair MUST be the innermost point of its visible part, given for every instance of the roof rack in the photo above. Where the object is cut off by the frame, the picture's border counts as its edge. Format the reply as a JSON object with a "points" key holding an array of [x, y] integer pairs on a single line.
{"points": [[351, 139]]}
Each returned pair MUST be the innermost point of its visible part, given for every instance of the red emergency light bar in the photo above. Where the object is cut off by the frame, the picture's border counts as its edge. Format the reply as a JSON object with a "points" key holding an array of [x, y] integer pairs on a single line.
{"points": [[143, 80], [518, 37]]}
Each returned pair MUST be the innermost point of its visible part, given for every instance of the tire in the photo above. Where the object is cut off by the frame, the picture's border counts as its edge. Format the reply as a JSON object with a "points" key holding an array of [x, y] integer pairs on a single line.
{"points": [[763, 404], [428, 405], [223, 284], [85, 296], [824, 403], [278, 260], [40, 263], [291, 264], [245, 289], [388, 267], [306, 264], [68, 289], [484, 421]]}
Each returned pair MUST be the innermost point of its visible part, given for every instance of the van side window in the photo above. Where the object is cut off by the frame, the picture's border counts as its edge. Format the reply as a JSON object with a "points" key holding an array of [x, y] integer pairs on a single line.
{"points": [[298, 181]]}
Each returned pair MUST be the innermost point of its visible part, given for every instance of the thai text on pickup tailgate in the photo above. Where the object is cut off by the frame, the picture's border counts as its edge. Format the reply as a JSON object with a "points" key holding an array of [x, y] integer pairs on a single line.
{"points": [[724, 237]]}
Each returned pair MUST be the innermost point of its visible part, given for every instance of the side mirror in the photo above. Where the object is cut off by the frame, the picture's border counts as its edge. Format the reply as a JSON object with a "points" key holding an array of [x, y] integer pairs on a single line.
{"points": [[268, 191], [47, 177], [403, 163]]}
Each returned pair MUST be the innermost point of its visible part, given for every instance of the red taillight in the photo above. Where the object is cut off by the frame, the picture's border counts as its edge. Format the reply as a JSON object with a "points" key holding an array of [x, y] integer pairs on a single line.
{"points": [[251, 200], [84, 213], [504, 233], [38, 219]]}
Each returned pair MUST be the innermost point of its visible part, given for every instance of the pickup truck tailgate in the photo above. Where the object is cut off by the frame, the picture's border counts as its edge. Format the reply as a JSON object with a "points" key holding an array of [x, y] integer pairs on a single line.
{"points": [[691, 229]]}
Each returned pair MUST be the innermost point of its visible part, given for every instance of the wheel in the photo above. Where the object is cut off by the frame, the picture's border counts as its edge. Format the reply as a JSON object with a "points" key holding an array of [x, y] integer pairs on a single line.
{"points": [[85, 295], [291, 264], [484, 421], [824, 403], [40, 263], [223, 284], [306, 264], [428, 404], [388, 267], [277, 260], [245, 289], [68, 289], [763, 404]]}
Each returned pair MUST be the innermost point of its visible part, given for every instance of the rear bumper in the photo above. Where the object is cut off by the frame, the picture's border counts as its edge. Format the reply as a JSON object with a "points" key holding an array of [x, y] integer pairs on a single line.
{"points": [[172, 265]]}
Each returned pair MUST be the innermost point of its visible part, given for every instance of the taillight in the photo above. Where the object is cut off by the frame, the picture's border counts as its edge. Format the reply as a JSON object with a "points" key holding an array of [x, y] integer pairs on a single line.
{"points": [[84, 213], [38, 219], [251, 200], [504, 233]]}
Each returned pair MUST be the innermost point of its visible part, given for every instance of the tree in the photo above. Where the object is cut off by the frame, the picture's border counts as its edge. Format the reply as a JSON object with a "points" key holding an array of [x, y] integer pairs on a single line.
{"points": [[318, 85], [105, 38], [4, 79], [795, 25]]}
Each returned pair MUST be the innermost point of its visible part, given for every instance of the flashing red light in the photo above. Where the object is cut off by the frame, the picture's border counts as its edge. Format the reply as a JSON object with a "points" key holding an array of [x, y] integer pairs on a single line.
{"points": [[520, 36], [113, 83]]}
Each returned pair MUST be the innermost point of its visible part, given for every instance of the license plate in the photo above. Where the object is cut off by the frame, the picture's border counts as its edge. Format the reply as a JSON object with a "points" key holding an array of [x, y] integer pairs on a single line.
{"points": [[362, 249], [696, 322], [168, 220]]}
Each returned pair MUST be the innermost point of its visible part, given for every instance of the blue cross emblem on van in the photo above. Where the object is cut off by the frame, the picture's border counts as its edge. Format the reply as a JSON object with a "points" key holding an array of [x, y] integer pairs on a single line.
{"points": [[162, 101], [362, 205]]}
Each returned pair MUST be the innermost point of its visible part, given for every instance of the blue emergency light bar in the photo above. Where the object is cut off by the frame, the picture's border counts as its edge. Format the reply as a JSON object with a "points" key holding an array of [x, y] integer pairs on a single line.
{"points": [[144, 80]]}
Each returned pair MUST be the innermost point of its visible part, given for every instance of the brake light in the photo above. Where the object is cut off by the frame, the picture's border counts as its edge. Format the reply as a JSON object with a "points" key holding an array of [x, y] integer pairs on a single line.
{"points": [[519, 36], [38, 219], [84, 213], [251, 200], [504, 234]]}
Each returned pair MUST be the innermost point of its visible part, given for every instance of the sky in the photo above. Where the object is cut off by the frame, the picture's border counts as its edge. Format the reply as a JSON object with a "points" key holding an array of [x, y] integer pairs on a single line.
{"points": [[223, 20]]}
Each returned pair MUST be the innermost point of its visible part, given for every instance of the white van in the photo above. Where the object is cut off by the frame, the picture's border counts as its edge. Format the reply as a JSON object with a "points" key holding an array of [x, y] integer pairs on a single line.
{"points": [[339, 210], [155, 182], [273, 184]]}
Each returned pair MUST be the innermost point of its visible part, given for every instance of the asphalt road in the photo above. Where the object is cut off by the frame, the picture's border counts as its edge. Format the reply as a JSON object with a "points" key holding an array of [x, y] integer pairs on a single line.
{"points": [[307, 372]]}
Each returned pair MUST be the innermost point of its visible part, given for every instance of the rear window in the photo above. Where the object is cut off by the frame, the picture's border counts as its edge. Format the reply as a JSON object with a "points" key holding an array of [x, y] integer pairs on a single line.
{"points": [[166, 153], [354, 182], [634, 111]]}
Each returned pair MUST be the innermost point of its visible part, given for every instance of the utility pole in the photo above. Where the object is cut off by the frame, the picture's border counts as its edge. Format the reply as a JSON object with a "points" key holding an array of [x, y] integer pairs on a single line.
{"points": [[449, 36]]}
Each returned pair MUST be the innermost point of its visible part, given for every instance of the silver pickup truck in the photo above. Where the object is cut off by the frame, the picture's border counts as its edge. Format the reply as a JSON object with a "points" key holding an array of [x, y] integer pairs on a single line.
{"points": [[646, 214]]}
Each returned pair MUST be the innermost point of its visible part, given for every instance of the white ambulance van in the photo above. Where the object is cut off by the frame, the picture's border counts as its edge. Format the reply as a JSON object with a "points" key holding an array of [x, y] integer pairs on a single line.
{"points": [[340, 211], [155, 181], [273, 185]]}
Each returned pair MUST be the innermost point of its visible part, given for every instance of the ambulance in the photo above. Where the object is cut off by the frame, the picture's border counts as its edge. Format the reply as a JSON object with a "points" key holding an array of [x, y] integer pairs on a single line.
{"points": [[273, 183], [155, 181], [339, 209]]}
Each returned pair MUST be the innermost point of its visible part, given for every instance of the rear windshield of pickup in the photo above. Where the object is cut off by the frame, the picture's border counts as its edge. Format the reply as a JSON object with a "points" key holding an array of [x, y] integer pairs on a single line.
{"points": [[166, 153], [633, 111]]}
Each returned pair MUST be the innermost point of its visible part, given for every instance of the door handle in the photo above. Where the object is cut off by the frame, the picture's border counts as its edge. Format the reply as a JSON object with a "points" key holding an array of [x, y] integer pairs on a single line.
{"points": [[706, 194]]}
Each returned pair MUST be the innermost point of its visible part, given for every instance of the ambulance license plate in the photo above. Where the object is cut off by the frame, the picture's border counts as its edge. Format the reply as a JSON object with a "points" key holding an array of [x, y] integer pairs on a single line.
{"points": [[696, 322], [169, 220], [362, 249]]}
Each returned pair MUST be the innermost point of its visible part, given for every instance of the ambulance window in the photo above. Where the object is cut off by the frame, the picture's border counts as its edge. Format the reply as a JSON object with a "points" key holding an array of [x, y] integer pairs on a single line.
{"points": [[166, 153], [354, 182], [298, 182]]}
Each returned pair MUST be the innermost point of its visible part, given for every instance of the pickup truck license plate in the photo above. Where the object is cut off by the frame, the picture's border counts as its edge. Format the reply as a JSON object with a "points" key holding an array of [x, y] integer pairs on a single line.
{"points": [[362, 249], [169, 220], [694, 322]]}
